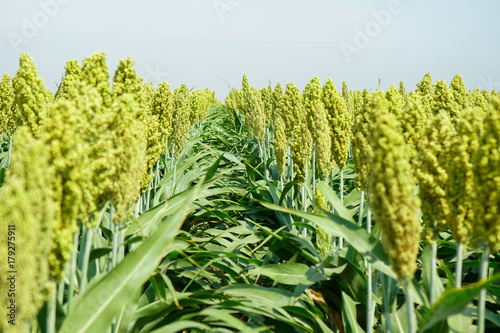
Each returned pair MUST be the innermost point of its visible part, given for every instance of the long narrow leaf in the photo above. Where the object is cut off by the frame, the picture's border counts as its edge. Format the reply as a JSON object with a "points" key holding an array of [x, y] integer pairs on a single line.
{"points": [[104, 300]]}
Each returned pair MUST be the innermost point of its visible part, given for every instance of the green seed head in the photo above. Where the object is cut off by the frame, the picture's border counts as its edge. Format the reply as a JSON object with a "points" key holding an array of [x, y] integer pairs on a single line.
{"points": [[73, 74], [402, 90], [340, 123], [414, 120], [182, 111], [266, 94], [163, 107], [199, 105], [126, 80], [30, 204], [323, 240], [479, 99], [391, 187], [361, 129], [313, 95], [322, 140], [280, 143], [126, 143], [460, 187], [256, 116], [276, 98], [432, 174], [444, 100], [232, 103], [486, 170], [31, 96], [459, 92], [95, 73], [426, 91], [347, 96], [7, 122], [395, 100], [291, 109]]}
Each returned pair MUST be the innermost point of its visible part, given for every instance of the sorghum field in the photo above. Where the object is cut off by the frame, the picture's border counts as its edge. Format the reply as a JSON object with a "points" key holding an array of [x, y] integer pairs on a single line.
{"points": [[130, 208]]}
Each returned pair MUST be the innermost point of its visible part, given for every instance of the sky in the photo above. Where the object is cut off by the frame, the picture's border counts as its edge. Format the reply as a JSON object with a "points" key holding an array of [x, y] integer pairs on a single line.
{"points": [[212, 43]]}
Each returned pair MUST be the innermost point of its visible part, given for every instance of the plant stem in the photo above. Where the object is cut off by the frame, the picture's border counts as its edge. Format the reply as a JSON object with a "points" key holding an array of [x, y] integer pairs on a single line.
{"points": [[121, 249], [50, 319], [341, 239], [483, 274], [86, 256], [137, 207], [386, 300], [314, 173], [72, 271], [410, 309], [341, 190], [60, 291], [333, 210], [458, 267], [173, 166], [304, 230], [172, 161], [10, 151], [361, 203], [173, 181], [115, 228], [148, 197], [433, 268], [157, 174], [370, 311], [369, 305]]}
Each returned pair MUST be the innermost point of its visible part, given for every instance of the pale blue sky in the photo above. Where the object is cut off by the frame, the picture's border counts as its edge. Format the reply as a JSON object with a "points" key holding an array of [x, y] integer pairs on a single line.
{"points": [[205, 42]]}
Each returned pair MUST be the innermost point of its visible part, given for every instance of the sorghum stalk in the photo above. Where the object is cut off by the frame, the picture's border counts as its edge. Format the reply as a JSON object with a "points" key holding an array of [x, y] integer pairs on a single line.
{"points": [[458, 267], [341, 239], [434, 152], [86, 256], [31, 96], [385, 300], [10, 152], [483, 274], [369, 279], [51, 312], [72, 271], [460, 186], [433, 268], [391, 185], [487, 192], [412, 325], [361, 203], [314, 171], [115, 228]]}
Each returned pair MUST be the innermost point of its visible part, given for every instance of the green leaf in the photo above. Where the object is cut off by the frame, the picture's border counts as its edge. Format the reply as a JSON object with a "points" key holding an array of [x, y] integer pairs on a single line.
{"points": [[368, 246], [286, 189], [95, 309], [290, 274], [260, 295], [399, 319], [427, 270], [147, 222], [334, 200], [349, 315], [454, 301], [182, 325], [460, 323], [97, 253], [213, 169]]}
